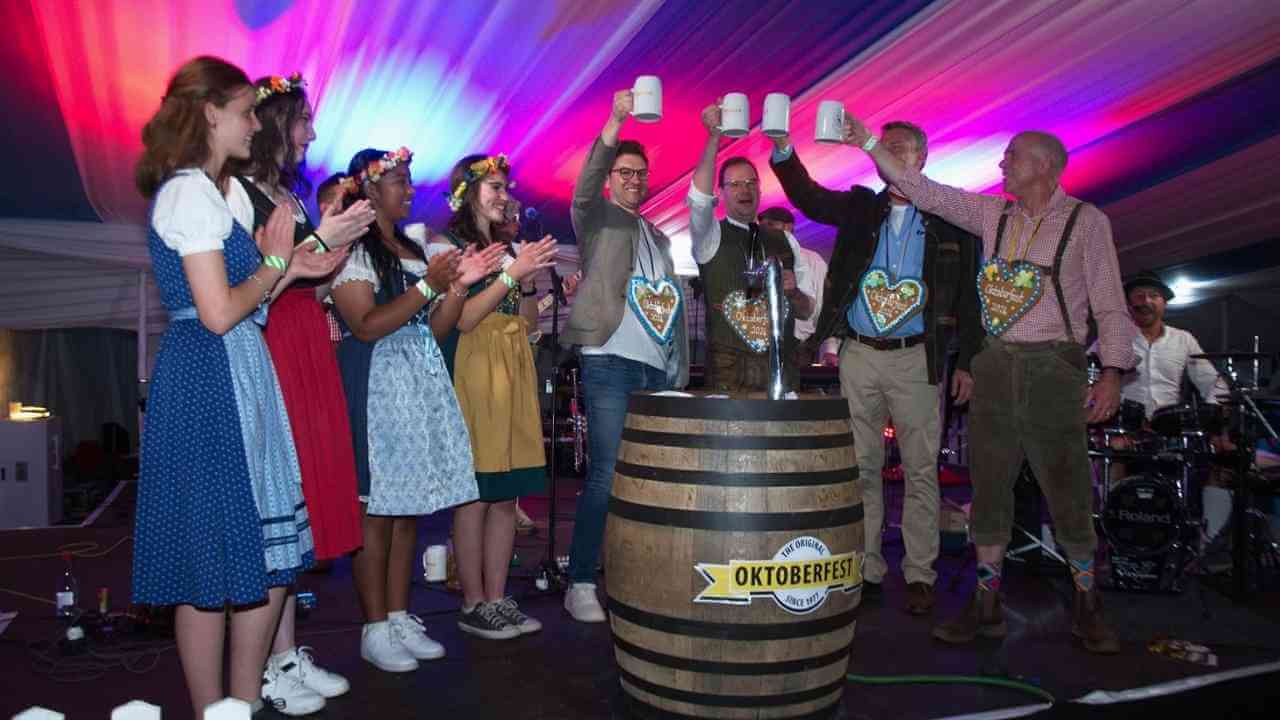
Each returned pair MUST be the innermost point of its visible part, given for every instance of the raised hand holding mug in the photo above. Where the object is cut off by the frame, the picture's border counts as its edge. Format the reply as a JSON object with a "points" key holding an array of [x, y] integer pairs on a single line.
{"points": [[648, 99], [734, 115], [777, 115], [830, 125]]}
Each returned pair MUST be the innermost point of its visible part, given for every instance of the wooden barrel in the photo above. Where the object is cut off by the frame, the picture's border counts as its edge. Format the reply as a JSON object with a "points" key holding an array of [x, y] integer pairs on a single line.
{"points": [[733, 557]]}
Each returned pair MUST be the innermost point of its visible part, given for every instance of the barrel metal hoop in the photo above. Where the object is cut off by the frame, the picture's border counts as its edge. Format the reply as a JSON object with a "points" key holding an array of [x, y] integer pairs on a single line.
{"points": [[737, 479], [640, 709], [735, 521], [777, 667], [724, 409], [749, 701], [738, 442], [730, 631]]}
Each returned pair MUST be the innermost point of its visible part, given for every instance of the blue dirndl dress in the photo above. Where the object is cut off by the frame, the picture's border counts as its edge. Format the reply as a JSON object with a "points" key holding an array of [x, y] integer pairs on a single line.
{"points": [[220, 512], [413, 453]]}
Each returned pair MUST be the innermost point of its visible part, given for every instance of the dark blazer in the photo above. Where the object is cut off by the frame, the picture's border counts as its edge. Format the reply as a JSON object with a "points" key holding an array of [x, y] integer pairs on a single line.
{"points": [[950, 264]]}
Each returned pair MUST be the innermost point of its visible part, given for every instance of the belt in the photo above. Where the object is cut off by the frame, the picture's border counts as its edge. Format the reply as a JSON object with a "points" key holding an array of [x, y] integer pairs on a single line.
{"points": [[1030, 348], [889, 343]]}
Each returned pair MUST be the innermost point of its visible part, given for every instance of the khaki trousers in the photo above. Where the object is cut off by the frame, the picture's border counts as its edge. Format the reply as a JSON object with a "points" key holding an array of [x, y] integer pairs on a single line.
{"points": [[880, 384]]}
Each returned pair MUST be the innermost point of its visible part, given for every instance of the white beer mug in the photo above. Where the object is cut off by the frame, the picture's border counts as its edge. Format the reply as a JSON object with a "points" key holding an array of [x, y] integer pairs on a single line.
{"points": [[734, 120], [647, 95], [777, 115], [435, 563], [830, 126]]}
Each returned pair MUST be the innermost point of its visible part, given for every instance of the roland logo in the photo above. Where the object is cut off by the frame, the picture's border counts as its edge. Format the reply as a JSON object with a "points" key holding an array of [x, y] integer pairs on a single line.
{"points": [[1142, 517]]}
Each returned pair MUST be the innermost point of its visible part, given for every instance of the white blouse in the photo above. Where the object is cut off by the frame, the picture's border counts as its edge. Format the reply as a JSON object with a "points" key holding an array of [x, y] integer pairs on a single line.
{"points": [[190, 215], [360, 267]]}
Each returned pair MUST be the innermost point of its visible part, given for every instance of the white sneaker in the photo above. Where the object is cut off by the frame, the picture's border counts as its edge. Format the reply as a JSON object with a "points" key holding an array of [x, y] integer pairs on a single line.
{"points": [[300, 663], [283, 691], [411, 633], [380, 646], [581, 602]]}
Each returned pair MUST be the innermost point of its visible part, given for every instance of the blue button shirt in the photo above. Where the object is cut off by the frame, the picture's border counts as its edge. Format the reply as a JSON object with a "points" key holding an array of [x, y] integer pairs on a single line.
{"points": [[888, 251]]}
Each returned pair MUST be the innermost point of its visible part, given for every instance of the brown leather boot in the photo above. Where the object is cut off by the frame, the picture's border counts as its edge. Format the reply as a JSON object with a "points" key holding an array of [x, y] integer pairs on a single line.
{"points": [[1088, 624], [983, 616]]}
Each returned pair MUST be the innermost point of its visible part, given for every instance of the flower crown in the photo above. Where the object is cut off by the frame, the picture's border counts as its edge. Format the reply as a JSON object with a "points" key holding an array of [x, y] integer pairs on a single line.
{"points": [[478, 170], [346, 186], [374, 171], [277, 85]]}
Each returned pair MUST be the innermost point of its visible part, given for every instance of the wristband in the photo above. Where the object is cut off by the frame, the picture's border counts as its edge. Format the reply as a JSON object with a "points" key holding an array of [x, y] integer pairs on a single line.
{"points": [[870, 143], [320, 246], [275, 261], [507, 280], [427, 291], [266, 289]]}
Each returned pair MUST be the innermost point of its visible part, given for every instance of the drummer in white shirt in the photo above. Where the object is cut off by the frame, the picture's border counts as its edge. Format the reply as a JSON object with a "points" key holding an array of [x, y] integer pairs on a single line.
{"points": [[1163, 352], [1163, 355]]}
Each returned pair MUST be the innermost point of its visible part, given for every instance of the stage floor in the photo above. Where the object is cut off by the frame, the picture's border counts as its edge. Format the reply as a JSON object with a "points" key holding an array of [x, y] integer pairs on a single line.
{"points": [[567, 670]]}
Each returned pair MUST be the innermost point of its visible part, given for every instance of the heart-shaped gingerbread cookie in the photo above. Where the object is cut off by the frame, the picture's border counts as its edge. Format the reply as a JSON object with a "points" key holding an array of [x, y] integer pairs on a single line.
{"points": [[1007, 292], [890, 304], [749, 318], [657, 304]]}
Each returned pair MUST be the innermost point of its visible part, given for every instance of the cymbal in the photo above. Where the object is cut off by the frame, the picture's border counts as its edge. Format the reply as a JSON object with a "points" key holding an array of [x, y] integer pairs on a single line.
{"points": [[1106, 452], [1232, 356]]}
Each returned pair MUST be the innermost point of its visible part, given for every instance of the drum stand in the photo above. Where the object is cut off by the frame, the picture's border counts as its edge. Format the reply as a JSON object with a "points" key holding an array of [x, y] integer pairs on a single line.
{"points": [[1033, 541], [1252, 426]]}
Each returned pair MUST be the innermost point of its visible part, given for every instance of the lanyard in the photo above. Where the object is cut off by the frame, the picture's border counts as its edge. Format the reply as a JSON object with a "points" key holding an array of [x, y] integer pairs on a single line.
{"points": [[652, 273], [907, 225], [753, 241], [1016, 241]]}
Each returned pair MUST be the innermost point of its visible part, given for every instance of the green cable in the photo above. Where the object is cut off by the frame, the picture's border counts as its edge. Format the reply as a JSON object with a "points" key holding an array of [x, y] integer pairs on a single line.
{"points": [[951, 680]]}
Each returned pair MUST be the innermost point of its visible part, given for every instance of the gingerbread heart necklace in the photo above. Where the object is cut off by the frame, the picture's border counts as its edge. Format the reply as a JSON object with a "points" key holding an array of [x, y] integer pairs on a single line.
{"points": [[1007, 287], [653, 297], [890, 301]]}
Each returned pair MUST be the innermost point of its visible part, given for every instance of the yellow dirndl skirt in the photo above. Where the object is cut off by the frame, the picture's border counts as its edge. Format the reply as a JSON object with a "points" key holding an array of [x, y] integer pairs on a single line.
{"points": [[497, 385]]}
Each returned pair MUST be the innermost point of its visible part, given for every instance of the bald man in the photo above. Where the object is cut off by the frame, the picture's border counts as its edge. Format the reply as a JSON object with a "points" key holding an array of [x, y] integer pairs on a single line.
{"points": [[1048, 259]]}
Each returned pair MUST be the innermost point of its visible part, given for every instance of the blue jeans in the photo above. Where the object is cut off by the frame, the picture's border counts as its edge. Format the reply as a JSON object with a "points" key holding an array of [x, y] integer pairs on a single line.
{"points": [[607, 383]]}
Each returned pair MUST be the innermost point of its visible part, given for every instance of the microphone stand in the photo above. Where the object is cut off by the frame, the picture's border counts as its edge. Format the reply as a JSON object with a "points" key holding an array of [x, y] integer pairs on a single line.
{"points": [[550, 575]]}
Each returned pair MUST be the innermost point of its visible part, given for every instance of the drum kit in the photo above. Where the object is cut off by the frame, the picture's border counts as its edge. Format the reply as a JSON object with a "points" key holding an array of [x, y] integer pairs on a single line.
{"points": [[1148, 473]]}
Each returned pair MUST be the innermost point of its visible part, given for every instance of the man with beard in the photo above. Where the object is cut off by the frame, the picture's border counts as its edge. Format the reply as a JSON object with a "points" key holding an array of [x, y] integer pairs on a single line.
{"points": [[1048, 260], [737, 350], [1164, 356]]}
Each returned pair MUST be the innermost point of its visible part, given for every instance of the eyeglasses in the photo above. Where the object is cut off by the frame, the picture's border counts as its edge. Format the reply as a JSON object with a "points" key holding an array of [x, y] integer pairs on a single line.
{"points": [[627, 174], [743, 184]]}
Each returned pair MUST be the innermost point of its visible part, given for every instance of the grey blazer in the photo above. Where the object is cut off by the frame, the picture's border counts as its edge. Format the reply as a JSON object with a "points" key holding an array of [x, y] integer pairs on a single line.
{"points": [[607, 237]]}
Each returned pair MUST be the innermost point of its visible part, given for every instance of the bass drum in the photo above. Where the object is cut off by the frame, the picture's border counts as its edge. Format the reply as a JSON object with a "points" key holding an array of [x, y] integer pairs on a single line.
{"points": [[1146, 525]]}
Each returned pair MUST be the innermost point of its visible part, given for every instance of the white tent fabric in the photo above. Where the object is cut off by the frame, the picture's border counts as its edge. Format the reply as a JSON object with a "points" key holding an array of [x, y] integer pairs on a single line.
{"points": [[75, 274], [56, 274]]}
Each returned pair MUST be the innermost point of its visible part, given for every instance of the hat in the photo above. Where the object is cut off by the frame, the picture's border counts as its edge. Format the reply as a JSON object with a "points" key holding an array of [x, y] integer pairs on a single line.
{"points": [[1146, 278], [778, 214]]}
